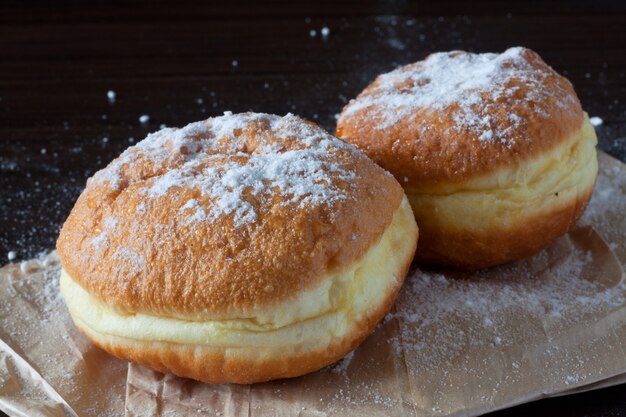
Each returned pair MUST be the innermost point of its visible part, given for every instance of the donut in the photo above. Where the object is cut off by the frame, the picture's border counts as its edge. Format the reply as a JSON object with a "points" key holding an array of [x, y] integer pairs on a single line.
{"points": [[494, 152], [238, 249]]}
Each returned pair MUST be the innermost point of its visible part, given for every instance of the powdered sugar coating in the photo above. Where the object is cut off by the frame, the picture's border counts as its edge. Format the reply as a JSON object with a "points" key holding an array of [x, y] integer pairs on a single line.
{"points": [[468, 85], [213, 157]]}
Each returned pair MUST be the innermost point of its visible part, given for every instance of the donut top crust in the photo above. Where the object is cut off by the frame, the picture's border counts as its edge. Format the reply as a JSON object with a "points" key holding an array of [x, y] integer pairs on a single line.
{"points": [[457, 115], [225, 217]]}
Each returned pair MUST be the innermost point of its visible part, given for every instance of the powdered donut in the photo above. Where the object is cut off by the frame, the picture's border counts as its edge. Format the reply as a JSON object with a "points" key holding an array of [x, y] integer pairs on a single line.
{"points": [[240, 249], [494, 152]]}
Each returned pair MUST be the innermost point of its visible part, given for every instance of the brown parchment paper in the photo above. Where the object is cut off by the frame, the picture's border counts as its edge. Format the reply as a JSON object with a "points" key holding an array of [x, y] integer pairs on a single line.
{"points": [[454, 344], [46, 367]]}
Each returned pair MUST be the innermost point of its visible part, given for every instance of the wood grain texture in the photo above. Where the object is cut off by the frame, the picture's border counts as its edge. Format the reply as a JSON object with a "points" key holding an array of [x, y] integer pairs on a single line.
{"points": [[183, 61]]}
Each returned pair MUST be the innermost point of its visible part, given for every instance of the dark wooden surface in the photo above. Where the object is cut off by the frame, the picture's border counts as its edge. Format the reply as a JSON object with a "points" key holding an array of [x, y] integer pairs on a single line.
{"points": [[179, 61]]}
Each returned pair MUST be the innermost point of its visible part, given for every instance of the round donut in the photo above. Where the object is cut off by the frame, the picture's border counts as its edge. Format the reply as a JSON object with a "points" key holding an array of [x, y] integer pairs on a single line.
{"points": [[238, 249], [494, 152]]}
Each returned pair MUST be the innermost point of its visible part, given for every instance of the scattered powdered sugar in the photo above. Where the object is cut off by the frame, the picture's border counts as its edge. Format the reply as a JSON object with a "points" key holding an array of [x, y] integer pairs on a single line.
{"points": [[110, 222], [448, 78], [300, 175], [596, 121], [100, 242], [141, 208], [444, 313], [131, 261], [485, 295], [51, 300], [342, 366], [363, 394], [35, 323], [216, 159]]}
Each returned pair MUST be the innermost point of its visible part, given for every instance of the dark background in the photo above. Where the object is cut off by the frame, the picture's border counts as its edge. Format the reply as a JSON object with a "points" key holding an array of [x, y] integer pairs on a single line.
{"points": [[180, 61]]}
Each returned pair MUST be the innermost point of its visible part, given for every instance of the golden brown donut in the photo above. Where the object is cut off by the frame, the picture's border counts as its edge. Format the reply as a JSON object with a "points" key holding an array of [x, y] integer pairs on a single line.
{"points": [[494, 152], [242, 248]]}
